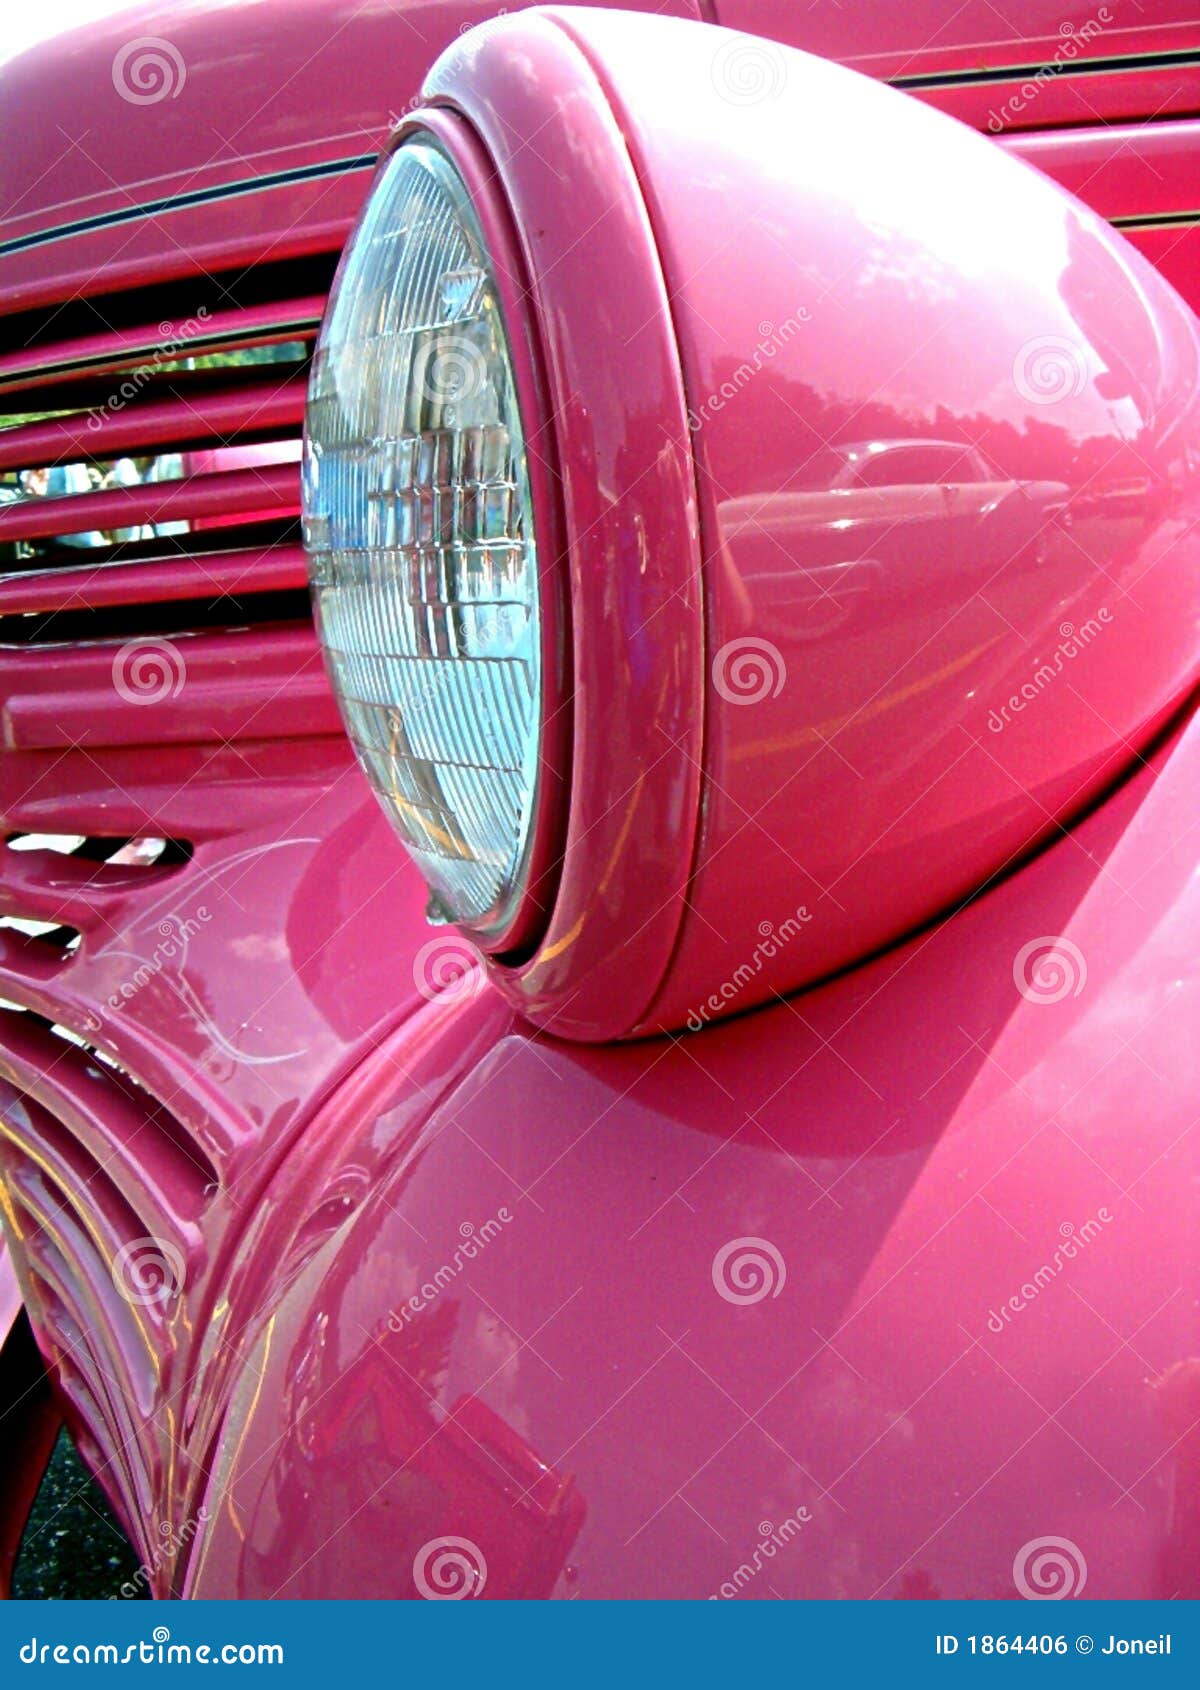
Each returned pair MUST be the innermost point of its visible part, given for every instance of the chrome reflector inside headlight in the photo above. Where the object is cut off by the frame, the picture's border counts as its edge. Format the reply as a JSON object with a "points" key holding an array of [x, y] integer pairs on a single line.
{"points": [[419, 527]]}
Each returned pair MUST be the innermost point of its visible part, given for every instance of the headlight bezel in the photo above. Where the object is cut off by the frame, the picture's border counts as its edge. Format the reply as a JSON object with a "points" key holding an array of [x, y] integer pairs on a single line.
{"points": [[633, 565], [614, 491]]}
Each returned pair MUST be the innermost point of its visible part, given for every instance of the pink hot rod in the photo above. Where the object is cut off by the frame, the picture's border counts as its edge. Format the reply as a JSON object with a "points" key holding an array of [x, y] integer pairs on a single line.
{"points": [[598, 973]]}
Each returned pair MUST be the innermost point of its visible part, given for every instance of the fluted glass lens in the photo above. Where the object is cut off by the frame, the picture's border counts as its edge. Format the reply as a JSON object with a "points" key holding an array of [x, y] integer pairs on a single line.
{"points": [[419, 531]]}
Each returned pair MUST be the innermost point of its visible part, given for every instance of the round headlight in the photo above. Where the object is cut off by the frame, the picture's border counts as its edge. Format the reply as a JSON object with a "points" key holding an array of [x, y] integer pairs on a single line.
{"points": [[420, 532]]}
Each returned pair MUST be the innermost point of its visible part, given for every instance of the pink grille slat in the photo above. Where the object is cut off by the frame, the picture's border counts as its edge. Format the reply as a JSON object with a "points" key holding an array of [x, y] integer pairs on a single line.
{"points": [[160, 580], [80, 1384], [270, 489], [88, 694], [80, 1378], [33, 1131], [141, 1105], [112, 351], [27, 963], [117, 1403], [258, 409], [87, 1288], [73, 891], [121, 1128], [77, 1327]]}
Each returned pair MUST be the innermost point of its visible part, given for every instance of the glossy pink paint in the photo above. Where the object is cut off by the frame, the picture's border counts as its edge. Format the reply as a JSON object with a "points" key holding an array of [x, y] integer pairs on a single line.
{"points": [[915, 1140], [302, 1062], [939, 54], [901, 529], [228, 123], [10, 1294]]}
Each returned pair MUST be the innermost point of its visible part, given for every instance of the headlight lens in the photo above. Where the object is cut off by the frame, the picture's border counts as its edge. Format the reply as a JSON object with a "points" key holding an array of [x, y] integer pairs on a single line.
{"points": [[419, 527]]}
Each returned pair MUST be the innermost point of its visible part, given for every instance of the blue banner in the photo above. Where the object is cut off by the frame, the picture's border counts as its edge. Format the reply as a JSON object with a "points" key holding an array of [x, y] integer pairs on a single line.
{"points": [[321, 1643]]}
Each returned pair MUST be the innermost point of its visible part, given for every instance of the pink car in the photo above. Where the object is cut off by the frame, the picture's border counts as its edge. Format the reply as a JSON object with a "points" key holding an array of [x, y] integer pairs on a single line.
{"points": [[649, 1047]]}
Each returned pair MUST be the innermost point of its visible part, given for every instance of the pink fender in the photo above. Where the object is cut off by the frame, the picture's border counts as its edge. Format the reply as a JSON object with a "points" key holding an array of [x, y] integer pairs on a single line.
{"points": [[865, 1254]]}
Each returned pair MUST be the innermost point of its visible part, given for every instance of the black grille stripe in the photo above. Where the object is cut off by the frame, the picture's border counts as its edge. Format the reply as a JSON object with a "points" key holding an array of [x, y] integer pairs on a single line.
{"points": [[182, 202]]}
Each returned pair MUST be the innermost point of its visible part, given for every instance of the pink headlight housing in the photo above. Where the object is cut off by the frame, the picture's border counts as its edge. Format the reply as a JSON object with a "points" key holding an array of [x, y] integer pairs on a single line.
{"points": [[877, 457]]}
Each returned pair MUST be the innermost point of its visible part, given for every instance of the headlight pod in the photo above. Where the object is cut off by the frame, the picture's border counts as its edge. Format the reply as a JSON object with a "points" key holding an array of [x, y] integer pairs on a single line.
{"points": [[615, 523], [867, 439]]}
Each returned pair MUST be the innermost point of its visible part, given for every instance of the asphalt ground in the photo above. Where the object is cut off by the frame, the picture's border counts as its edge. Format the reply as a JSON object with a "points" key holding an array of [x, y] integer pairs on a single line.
{"points": [[73, 1546]]}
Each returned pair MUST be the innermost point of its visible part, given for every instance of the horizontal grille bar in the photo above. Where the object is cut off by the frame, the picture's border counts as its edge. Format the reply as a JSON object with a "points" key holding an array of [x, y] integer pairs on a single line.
{"points": [[164, 579], [114, 351], [272, 489], [260, 408]]}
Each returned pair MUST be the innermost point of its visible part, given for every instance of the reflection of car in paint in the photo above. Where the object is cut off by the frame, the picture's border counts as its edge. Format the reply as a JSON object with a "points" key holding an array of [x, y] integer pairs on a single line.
{"points": [[934, 510], [786, 1184]]}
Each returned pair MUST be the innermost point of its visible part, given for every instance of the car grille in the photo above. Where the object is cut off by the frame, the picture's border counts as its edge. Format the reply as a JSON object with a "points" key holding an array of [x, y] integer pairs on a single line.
{"points": [[119, 1155]]}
